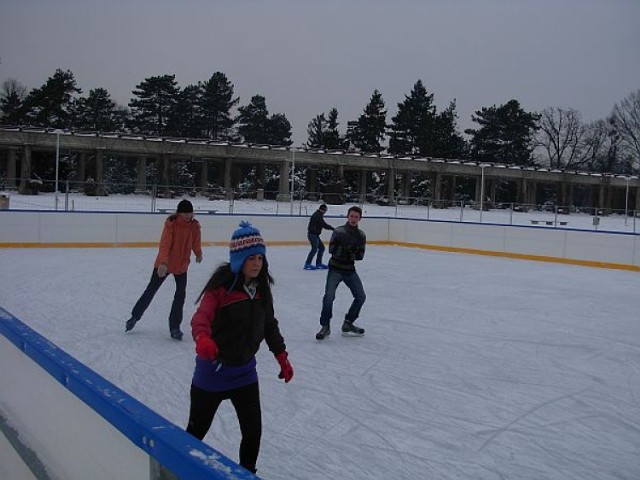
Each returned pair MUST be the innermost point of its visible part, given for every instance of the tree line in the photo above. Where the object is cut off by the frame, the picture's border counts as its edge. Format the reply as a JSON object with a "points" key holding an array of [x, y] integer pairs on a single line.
{"points": [[554, 137]]}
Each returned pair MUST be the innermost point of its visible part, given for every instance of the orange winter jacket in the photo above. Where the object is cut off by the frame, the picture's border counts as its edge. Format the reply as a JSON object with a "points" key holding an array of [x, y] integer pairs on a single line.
{"points": [[179, 238]]}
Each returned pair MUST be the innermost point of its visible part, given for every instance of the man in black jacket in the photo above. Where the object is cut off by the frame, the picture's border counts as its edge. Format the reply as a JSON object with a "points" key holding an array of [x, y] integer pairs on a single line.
{"points": [[316, 224], [346, 247]]}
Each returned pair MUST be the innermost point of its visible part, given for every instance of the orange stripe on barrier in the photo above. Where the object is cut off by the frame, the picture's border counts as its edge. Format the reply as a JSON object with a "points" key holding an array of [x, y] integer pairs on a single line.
{"points": [[283, 243]]}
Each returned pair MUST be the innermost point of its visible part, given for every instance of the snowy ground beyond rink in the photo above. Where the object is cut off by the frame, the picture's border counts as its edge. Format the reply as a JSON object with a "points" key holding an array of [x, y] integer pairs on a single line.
{"points": [[472, 367]]}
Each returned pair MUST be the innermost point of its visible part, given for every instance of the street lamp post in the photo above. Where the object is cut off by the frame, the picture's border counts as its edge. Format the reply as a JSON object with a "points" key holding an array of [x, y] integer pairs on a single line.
{"points": [[626, 201], [482, 167], [57, 131], [293, 174]]}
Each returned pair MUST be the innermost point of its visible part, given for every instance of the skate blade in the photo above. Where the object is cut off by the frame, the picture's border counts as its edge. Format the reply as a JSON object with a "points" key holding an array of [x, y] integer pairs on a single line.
{"points": [[352, 334]]}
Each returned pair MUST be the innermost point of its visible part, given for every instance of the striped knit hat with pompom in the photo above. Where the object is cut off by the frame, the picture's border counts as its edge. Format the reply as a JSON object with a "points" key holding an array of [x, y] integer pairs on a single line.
{"points": [[245, 241]]}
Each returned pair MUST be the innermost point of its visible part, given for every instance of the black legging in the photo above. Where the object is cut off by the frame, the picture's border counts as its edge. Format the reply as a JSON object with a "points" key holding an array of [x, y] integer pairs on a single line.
{"points": [[246, 401], [175, 317]]}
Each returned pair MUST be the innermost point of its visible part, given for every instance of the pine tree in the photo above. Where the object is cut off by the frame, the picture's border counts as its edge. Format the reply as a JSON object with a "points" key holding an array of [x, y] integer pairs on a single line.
{"points": [[254, 121], [413, 127], [279, 130], [316, 131], [367, 134], [323, 132], [332, 138], [187, 120], [216, 104], [51, 105], [156, 100], [97, 112], [448, 143], [505, 134]]}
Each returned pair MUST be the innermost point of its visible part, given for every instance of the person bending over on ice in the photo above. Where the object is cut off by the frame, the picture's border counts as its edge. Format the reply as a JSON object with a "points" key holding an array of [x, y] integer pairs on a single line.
{"points": [[234, 316], [180, 237], [314, 229], [347, 245]]}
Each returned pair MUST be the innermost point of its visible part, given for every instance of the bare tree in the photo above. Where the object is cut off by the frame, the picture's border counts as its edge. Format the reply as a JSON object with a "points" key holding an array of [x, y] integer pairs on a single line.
{"points": [[625, 119], [12, 99], [562, 136]]}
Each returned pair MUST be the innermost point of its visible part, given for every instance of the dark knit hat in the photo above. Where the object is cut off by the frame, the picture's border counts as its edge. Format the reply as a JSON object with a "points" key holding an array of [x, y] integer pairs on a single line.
{"points": [[323, 207], [184, 206], [245, 241]]}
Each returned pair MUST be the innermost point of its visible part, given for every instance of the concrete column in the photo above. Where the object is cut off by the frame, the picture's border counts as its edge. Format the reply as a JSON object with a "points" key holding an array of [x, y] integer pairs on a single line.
{"points": [[478, 190], [227, 180], [452, 193], [391, 180], [312, 183], [437, 190], [363, 186], [532, 196], [204, 175], [406, 184], [82, 166], [11, 169], [141, 186], [340, 172], [601, 195], [25, 170], [283, 186], [164, 169], [261, 175], [522, 191], [100, 171], [492, 192]]}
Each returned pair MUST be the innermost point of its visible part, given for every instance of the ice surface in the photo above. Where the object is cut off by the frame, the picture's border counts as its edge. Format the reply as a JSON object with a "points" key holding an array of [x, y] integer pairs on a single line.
{"points": [[471, 368]]}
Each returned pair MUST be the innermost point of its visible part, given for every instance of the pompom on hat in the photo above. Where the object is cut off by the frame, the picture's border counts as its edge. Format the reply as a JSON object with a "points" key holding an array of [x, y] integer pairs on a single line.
{"points": [[184, 206], [245, 241]]}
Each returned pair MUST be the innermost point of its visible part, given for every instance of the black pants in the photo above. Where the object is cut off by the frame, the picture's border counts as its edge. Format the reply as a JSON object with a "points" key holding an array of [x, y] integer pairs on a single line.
{"points": [[175, 317], [246, 401]]}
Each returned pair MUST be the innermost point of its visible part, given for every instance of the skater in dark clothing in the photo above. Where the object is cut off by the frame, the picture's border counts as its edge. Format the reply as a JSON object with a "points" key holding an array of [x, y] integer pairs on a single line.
{"points": [[234, 316], [314, 229], [347, 245], [180, 237]]}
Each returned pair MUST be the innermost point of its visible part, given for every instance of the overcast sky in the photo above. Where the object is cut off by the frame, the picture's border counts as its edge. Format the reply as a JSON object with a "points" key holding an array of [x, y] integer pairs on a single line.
{"points": [[308, 56]]}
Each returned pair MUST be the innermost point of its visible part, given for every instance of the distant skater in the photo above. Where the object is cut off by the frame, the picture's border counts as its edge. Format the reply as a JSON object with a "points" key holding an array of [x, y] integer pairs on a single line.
{"points": [[234, 316], [314, 229], [180, 237], [347, 245]]}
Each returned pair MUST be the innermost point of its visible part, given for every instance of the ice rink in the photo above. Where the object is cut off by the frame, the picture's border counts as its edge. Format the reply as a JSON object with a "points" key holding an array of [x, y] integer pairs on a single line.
{"points": [[472, 367]]}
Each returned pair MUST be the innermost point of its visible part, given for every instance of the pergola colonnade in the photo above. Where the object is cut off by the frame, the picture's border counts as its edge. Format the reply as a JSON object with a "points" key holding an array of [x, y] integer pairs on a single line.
{"points": [[17, 146]]}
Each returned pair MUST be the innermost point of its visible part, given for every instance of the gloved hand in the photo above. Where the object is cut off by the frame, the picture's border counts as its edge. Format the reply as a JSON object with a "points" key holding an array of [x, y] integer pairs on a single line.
{"points": [[162, 270], [206, 348], [198, 259], [286, 370]]}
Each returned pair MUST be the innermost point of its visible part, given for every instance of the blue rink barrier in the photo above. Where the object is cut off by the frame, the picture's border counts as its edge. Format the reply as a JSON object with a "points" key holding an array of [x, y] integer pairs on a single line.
{"points": [[176, 452]]}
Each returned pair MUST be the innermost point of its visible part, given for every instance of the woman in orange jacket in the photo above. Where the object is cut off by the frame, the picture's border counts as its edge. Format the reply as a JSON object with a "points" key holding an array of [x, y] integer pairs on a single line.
{"points": [[180, 237]]}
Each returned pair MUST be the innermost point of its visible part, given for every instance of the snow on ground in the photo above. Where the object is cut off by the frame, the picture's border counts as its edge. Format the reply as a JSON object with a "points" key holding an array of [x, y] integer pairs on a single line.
{"points": [[471, 368], [144, 203]]}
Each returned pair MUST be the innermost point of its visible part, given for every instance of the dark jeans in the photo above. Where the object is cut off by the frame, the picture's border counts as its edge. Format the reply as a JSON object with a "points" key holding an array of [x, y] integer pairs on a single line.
{"points": [[175, 317], [353, 282], [316, 246], [246, 401]]}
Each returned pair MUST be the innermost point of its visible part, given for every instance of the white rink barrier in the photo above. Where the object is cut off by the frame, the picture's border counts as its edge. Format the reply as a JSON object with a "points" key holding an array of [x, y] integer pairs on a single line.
{"points": [[105, 229], [80, 426]]}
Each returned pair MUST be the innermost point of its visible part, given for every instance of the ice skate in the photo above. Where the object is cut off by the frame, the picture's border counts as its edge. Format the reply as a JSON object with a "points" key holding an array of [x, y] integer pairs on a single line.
{"points": [[350, 330], [130, 324], [324, 332]]}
